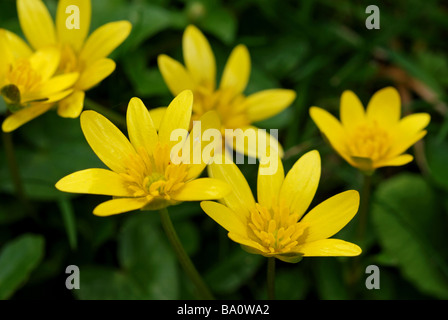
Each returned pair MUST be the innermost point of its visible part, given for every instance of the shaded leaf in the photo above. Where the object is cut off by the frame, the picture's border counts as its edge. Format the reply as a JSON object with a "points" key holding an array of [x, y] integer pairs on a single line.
{"points": [[18, 258]]}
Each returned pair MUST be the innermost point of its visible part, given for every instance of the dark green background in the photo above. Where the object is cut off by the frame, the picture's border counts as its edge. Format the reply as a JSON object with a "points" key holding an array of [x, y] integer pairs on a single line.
{"points": [[318, 48]]}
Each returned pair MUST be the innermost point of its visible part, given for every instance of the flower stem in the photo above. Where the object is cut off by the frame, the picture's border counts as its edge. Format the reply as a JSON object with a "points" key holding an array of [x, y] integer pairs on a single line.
{"points": [[13, 167], [182, 256], [364, 205], [271, 278]]}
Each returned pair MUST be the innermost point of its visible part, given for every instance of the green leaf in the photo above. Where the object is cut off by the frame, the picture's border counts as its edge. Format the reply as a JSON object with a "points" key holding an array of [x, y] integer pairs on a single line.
{"points": [[407, 220], [221, 23], [329, 279], [290, 284], [48, 155], [68, 216], [145, 254], [231, 273], [104, 283], [147, 82], [147, 20], [18, 258], [437, 158]]}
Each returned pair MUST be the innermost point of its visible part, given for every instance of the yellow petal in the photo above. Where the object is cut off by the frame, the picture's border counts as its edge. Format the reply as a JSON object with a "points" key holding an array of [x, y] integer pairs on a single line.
{"points": [[197, 142], [6, 55], [202, 189], [269, 185], [330, 216], [104, 40], [301, 183], [408, 131], [177, 116], [248, 244], [199, 57], [329, 248], [23, 116], [404, 144], [237, 71], [225, 217], [253, 142], [94, 181], [331, 128], [46, 61], [175, 75], [95, 73], [395, 162], [19, 48], [58, 83], [141, 130], [352, 111], [121, 205], [75, 35], [54, 97], [241, 199], [157, 116], [267, 103], [107, 141], [385, 107], [72, 106], [36, 23]]}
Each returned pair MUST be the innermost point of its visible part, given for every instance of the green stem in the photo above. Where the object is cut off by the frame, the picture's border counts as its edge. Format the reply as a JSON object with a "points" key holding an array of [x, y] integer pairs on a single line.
{"points": [[13, 167], [364, 205], [271, 278], [182, 256], [110, 114]]}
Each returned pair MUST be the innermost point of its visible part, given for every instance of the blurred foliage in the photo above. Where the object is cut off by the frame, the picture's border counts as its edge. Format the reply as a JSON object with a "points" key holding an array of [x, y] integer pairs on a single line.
{"points": [[318, 48]]}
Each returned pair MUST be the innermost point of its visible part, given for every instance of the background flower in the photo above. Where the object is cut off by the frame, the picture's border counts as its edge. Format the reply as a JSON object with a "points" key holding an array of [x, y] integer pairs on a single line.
{"points": [[375, 137], [235, 110], [79, 53], [29, 82]]}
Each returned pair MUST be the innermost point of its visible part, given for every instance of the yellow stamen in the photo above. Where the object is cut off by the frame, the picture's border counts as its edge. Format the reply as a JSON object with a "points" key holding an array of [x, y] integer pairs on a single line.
{"points": [[23, 76], [369, 141], [276, 229], [154, 175], [225, 103]]}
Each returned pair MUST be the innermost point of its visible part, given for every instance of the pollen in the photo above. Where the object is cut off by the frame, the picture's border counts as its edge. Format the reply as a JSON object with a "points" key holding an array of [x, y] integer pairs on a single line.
{"points": [[369, 141], [276, 229], [154, 175]]}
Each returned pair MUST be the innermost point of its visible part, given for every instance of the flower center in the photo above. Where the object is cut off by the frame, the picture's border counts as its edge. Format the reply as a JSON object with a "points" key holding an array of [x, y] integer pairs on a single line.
{"points": [[228, 106], [22, 75], [276, 229], [369, 141], [69, 61], [154, 175]]}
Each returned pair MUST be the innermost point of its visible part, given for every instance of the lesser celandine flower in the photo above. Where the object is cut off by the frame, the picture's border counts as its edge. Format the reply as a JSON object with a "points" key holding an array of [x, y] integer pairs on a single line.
{"points": [[375, 137], [276, 226], [28, 80], [235, 110], [142, 175], [78, 52]]}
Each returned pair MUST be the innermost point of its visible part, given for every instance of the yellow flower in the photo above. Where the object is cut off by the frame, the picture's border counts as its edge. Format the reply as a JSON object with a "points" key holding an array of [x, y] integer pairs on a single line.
{"points": [[235, 110], [373, 138], [142, 175], [276, 226], [28, 81], [80, 54]]}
